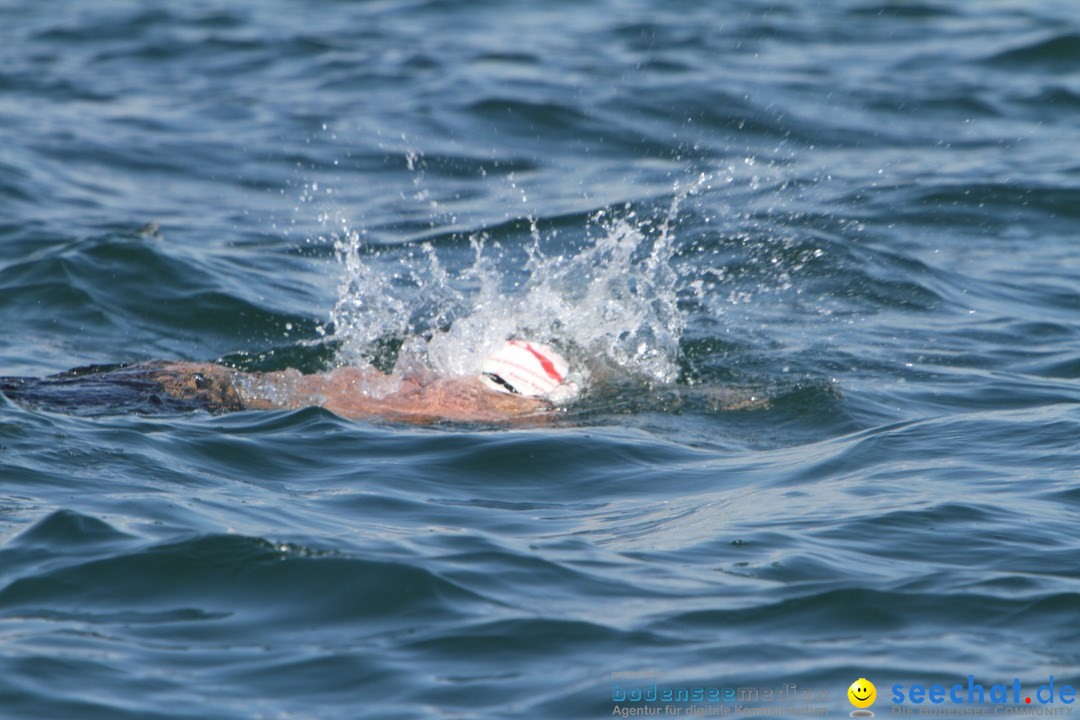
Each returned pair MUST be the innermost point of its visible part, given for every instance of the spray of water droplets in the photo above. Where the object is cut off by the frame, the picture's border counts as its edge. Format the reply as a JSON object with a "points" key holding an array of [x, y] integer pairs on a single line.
{"points": [[607, 298], [615, 293]]}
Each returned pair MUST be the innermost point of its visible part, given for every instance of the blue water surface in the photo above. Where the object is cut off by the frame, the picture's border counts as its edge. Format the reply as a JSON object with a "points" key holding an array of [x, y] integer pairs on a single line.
{"points": [[868, 216]]}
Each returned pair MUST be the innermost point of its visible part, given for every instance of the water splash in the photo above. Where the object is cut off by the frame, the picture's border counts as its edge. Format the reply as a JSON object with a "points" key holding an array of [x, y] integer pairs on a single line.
{"points": [[607, 297]]}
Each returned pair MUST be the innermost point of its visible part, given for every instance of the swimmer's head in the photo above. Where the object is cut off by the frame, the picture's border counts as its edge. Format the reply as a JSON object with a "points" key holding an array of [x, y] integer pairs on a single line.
{"points": [[529, 369]]}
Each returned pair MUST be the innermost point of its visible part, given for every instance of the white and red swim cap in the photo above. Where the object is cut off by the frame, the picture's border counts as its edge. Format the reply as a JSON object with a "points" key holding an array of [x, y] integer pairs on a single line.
{"points": [[527, 368]]}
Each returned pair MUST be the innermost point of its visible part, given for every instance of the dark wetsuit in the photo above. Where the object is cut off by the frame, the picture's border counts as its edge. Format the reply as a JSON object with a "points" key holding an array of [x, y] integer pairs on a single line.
{"points": [[151, 387]]}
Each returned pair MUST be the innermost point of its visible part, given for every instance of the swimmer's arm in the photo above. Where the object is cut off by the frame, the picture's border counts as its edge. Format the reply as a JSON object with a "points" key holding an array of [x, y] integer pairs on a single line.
{"points": [[230, 389], [350, 392], [454, 399], [292, 390], [358, 393]]}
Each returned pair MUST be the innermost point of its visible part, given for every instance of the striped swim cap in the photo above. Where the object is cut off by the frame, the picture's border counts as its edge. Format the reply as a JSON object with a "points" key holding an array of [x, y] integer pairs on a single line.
{"points": [[525, 368]]}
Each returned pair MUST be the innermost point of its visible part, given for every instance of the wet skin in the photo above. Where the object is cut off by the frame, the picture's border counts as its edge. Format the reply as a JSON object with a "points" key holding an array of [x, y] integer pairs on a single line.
{"points": [[356, 392]]}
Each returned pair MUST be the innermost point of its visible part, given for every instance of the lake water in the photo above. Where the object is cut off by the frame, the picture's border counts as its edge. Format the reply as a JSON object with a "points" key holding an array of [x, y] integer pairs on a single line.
{"points": [[857, 222]]}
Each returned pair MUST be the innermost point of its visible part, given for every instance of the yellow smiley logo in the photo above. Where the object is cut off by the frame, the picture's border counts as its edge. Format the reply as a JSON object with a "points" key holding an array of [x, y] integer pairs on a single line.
{"points": [[862, 693]]}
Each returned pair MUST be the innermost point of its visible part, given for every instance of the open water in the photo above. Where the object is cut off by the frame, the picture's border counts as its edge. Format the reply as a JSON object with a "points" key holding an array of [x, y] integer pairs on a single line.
{"points": [[863, 214]]}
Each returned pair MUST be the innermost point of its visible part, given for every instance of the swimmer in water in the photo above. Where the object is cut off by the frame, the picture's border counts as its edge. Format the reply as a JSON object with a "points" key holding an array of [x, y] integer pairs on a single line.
{"points": [[521, 379]]}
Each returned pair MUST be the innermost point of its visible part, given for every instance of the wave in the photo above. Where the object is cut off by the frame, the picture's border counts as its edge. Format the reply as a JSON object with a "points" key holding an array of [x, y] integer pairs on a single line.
{"points": [[1057, 53]]}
